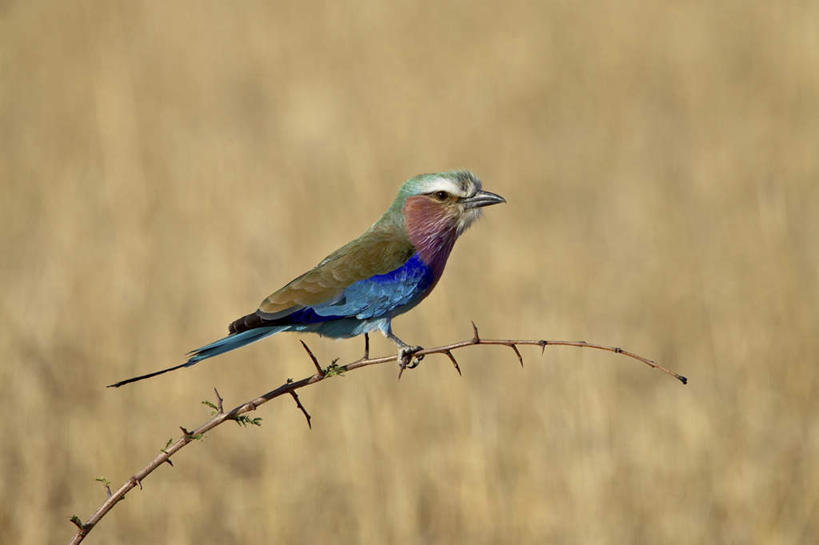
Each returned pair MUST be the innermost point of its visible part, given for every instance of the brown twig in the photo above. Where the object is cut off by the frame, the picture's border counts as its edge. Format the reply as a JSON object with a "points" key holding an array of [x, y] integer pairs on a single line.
{"points": [[290, 387]]}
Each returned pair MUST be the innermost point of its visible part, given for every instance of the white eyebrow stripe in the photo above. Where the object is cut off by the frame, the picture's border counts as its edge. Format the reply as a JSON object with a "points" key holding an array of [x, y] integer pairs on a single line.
{"points": [[443, 184]]}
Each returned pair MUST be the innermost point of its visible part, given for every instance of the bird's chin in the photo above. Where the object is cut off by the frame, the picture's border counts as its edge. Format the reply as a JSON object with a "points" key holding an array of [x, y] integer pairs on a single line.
{"points": [[467, 218]]}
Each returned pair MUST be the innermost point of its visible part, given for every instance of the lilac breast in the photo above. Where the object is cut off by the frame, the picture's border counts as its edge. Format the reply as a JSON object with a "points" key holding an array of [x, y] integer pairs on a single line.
{"points": [[431, 230]]}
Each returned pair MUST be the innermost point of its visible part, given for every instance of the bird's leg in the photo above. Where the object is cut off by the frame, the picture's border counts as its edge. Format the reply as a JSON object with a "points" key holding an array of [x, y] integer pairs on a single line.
{"points": [[366, 355], [405, 351]]}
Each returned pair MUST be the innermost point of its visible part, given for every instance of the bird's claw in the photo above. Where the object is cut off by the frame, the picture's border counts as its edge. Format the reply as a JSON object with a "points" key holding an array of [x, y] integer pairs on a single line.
{"points": [[407, 358], [416, 361]]}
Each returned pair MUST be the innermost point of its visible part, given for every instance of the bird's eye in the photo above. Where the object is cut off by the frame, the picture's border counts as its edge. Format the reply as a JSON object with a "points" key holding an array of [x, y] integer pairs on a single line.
{"points": [[441, 195]]}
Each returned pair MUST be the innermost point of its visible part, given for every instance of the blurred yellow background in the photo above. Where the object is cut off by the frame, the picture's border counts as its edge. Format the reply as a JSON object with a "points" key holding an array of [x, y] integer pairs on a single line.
{"points": [[165, 167]]}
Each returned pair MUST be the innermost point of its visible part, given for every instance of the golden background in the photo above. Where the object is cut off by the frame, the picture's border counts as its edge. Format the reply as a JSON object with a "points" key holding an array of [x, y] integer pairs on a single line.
{"points": [[165, 167]]}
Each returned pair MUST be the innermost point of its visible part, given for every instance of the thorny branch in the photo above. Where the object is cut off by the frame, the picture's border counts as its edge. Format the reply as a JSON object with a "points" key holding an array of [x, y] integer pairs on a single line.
{"points": [[290, 387]]}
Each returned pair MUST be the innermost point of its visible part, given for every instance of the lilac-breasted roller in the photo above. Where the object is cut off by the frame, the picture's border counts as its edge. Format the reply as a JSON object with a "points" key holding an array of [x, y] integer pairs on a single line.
{"points": [[364, 284]]}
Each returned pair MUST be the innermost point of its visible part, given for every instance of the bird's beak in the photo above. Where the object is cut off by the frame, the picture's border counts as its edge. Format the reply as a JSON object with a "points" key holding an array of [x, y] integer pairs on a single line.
{"points": [[482, 198]]}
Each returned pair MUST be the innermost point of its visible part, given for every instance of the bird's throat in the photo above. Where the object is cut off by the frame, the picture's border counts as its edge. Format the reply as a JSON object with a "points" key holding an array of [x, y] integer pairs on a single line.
{"points": [[431, 230]]}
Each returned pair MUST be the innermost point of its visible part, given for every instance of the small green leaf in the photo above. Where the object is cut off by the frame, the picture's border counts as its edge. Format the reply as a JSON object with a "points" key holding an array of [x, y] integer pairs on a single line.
{"points": [[333, 370], [244, 421]]}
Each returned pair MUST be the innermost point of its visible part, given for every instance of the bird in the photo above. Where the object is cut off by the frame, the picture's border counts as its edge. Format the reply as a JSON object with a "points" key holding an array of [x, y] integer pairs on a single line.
{"points": [[363, 285]]}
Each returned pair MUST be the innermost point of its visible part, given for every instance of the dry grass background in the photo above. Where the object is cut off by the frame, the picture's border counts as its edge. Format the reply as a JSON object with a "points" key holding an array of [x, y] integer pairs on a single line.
{"points": [[164, 167]]}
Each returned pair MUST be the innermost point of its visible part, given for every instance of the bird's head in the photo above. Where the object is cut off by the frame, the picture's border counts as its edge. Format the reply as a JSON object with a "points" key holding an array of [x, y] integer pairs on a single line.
{"points": [[442, 202]]}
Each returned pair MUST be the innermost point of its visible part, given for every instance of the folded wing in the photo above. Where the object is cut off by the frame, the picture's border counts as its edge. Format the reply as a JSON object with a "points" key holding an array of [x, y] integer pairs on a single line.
{"points": [[364, 279]]}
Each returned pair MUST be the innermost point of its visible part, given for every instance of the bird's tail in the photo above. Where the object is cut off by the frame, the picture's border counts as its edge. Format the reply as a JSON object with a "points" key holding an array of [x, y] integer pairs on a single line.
{"points": [[225, 344]]}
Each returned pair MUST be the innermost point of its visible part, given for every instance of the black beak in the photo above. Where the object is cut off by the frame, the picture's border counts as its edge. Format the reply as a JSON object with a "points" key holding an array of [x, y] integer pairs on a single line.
{"points": [[482, 198]]}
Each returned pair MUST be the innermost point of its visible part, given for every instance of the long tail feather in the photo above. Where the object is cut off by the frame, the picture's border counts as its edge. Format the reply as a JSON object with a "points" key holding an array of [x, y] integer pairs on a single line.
{"points": [[225, 344]]}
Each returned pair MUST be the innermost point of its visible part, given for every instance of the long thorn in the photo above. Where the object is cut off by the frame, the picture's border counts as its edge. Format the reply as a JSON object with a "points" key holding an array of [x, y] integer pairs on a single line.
{"points": [[401, 366], [517, 353], [219, 406], [301, 407], [312, 357], [454, 361]]}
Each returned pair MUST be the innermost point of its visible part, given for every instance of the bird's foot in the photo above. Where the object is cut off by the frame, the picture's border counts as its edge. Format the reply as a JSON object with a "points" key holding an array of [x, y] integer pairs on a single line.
{"points": [[407, 358]]}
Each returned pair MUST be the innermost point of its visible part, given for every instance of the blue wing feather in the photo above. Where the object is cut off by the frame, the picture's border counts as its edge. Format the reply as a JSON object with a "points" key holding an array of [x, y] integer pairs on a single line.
{"points": [[372, 298]]}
